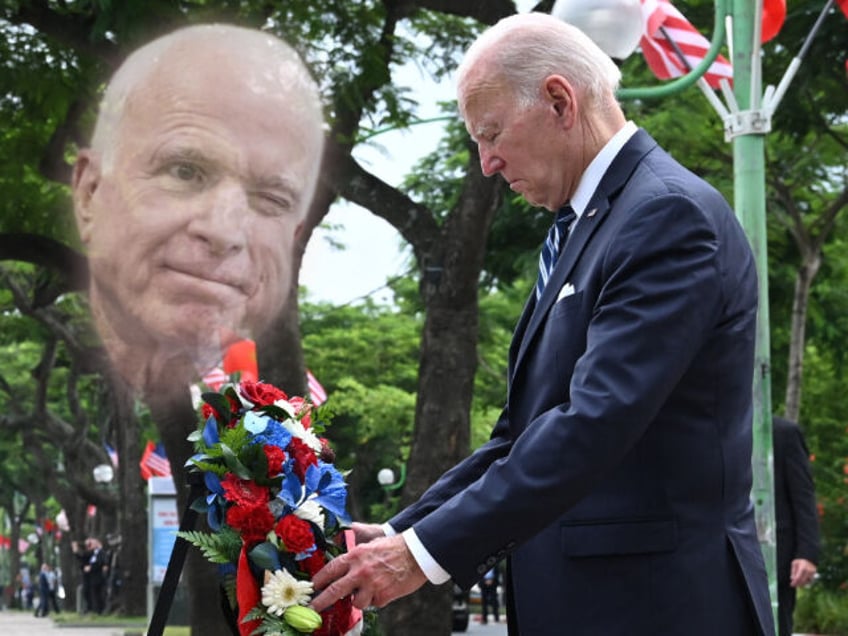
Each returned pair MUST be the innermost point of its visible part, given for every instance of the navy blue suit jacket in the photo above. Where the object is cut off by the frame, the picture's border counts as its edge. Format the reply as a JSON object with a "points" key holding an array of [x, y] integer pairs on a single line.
{"points": [[617, 479]]}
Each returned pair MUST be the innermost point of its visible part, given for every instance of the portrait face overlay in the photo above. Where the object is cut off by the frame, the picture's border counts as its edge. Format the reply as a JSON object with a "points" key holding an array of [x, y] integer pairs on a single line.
{"points": [[190, 225]]}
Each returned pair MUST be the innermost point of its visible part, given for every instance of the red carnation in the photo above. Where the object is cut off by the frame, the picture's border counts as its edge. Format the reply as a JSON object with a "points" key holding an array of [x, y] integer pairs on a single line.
{"points": [[253, 523], [313, 563], [259, 393], [303, 456], [243, 492], [295, 533], [207, 411], [276, 457]]}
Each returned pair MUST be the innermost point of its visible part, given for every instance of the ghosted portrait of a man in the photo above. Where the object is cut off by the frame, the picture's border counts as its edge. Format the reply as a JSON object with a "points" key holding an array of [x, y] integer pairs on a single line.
{"points": [[202, 165]]}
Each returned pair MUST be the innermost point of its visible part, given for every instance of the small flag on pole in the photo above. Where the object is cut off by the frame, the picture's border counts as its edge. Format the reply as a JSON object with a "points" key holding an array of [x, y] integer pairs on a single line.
{"points": [[663, 24], [316, 392], [154, 462], [113, 454]]}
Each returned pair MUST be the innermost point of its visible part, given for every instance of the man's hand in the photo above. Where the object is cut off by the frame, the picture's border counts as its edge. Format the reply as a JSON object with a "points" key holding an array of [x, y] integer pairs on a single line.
{"points": [[802, 572], [365, 532], [374, 574]]}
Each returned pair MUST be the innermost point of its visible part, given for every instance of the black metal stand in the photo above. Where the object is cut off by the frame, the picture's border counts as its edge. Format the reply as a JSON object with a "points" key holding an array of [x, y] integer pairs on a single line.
{"points": [[177, 560]]}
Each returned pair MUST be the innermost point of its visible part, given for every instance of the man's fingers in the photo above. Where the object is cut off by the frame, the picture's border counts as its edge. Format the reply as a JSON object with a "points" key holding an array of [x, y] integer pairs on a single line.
{"points": [[329, 573]]}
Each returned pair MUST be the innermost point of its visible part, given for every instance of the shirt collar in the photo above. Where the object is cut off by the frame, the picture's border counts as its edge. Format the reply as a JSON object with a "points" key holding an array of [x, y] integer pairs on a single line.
{"points": [[600, 164]]}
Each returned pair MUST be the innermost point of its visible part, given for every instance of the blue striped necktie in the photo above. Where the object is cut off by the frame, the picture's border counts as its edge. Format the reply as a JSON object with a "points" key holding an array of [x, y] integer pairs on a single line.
{"points": [[553, 243]]}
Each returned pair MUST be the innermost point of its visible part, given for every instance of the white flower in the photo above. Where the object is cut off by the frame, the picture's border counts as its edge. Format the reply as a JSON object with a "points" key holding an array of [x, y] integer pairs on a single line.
{"points": [[282, 590], [287, 406], [303, 434], [310, 510]]}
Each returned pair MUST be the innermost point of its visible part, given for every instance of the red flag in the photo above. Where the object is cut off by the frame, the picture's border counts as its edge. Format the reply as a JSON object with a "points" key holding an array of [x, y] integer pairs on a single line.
{"points": [[241, 357], [660, 53], [774, 13], [843, 4], [316, 392]]}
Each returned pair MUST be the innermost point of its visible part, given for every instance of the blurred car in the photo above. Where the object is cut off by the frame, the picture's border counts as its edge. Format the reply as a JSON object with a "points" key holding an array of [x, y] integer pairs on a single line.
{"points": [[460, 609]]}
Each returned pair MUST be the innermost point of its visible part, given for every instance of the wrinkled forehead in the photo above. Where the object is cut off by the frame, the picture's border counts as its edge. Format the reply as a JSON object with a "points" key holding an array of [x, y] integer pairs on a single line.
{"points": [[483, 102]]}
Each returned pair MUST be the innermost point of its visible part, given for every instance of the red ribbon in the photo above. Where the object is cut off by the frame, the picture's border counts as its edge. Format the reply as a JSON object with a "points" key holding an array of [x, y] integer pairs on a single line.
{"points": [[248, 594], [355, 613]]}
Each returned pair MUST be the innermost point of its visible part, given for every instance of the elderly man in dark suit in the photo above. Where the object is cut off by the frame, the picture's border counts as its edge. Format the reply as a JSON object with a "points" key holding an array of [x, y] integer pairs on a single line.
{"points": [[617, 479], [797, 519]]}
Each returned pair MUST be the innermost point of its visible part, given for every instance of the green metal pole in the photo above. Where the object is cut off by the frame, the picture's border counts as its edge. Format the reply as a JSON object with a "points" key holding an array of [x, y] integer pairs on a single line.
{"points": [[748, 131]]}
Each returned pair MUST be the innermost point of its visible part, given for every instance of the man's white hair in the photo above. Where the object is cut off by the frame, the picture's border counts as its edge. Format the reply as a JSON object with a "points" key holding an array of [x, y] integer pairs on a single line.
{"points": [[267, 61], [522, 50]]}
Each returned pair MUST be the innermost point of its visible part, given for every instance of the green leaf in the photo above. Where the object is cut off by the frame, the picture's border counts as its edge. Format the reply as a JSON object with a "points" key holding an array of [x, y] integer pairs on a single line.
{"points": [[234, 464], [213, 546], [265, 556]]}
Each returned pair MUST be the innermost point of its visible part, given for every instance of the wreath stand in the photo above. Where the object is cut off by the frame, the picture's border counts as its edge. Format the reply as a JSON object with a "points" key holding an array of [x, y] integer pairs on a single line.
{"points": [[177, 561]]}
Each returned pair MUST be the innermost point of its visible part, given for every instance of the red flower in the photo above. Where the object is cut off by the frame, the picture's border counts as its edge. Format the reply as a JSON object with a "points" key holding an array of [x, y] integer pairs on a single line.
{"points": [[313, 563], [243, 492], [295, 533], [301, 406], [303, 457], [276, 457], [207, 411], [259, 393], [338, 618], [253, 522]]}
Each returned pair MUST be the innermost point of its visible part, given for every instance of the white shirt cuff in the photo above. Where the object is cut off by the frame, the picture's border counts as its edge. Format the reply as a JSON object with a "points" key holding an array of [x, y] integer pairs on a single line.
{"points": [[388, 530], [432, 570]]}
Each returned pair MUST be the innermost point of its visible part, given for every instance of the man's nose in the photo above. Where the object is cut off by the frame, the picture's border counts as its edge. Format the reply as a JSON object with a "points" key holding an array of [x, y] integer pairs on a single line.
{"points": [[490, 163], [223, 220]]}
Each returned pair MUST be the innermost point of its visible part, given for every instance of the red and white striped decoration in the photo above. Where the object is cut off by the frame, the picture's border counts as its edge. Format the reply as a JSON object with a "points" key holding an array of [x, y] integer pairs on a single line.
{"points": [[660, 55]]}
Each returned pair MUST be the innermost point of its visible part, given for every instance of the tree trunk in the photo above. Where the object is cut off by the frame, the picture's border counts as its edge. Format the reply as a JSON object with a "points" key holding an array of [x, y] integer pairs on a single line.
{"points": [[131, 559], [800, 301], [441, 438]]}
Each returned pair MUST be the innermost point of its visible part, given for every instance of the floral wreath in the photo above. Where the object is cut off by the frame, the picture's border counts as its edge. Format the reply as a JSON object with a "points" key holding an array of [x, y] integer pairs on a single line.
{"points": [[276, 508]]}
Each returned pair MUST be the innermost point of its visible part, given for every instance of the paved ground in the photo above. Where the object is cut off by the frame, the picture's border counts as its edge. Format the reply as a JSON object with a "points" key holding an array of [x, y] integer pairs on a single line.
{"points": [[17, 623]]}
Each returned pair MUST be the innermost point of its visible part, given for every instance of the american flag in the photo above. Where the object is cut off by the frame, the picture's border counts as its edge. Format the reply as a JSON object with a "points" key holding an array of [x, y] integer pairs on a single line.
{"points": [[113, 454], [316, 392], [660, 54], [215, 378], [153, 462]]}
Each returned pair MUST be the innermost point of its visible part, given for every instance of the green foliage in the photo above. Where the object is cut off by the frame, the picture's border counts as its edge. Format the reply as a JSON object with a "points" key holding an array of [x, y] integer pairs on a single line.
{"points": [[821, 611], [220, 547]]}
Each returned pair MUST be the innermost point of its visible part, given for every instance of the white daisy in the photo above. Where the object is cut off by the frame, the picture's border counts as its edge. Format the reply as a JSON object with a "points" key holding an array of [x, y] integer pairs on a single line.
{"points": [[282, 590]]}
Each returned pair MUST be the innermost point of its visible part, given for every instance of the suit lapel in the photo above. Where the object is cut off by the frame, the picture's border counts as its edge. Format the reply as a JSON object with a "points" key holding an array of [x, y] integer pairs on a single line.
{"points": [[599, 207]]}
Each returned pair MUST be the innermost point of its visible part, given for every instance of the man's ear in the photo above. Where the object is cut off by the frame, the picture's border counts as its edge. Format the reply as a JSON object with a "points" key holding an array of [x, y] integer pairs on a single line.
{"points": [[561, 95], [84, 183]]}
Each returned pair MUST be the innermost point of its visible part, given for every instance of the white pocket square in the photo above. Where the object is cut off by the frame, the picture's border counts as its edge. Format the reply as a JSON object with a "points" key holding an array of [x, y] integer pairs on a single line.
{"points": [[566, 291]]}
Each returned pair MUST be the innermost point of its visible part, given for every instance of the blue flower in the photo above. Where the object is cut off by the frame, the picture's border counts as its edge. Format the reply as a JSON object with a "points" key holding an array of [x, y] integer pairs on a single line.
{"points": [[214, 501], [266, 430], [328, 484], [210, 432]]}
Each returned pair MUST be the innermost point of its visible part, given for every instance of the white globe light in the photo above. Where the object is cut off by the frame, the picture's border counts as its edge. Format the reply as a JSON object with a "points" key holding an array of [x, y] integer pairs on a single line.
{"points": [[386, 476], [103, 473], [614, 25]]}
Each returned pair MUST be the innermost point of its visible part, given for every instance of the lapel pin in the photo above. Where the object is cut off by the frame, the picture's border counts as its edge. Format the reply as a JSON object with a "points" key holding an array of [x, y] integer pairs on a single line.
{"points": [[591, 212]]}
